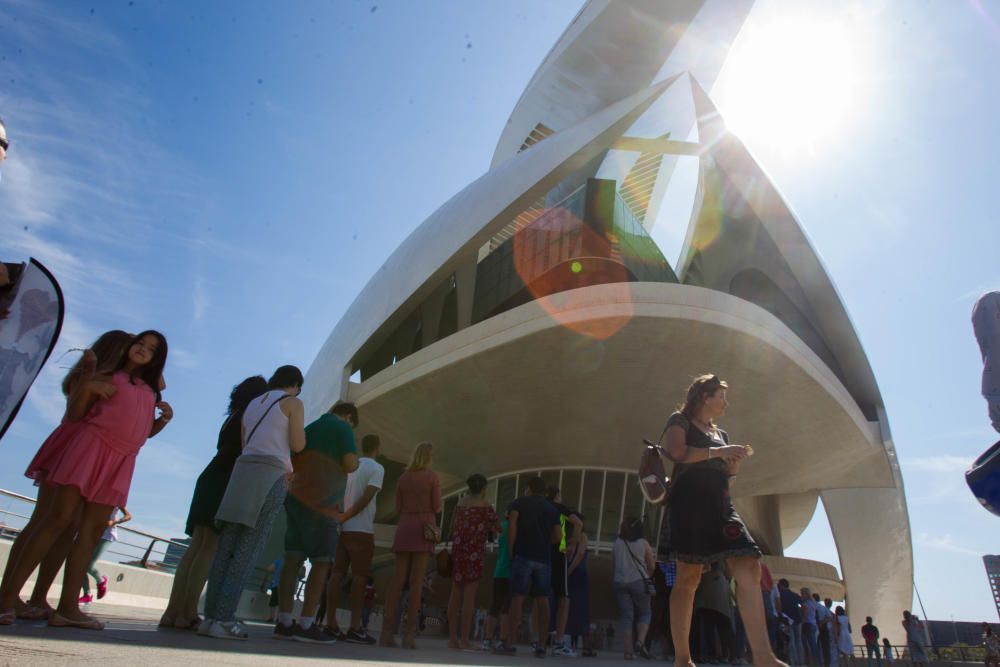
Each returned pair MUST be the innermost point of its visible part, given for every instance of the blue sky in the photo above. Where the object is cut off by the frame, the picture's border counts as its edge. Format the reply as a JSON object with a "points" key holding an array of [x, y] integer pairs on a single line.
{"points": [[233, 175]]}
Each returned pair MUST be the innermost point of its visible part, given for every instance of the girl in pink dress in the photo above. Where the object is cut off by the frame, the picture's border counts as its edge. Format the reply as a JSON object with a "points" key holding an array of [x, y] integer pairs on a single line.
{"points": [[418, 499], [91, 470], [475, 519], [101, 358]]}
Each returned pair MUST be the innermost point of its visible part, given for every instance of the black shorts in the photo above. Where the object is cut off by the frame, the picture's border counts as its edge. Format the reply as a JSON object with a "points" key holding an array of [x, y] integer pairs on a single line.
{"points": [[500, 604]]}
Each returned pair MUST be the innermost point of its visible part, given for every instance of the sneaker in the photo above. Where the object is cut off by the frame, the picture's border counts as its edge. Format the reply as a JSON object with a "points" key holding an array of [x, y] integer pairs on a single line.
{"points": [[335, 635], [102, 588], [284, 631], [312, 635], [502, 648], [562, 651], [487, 645], [229, 630], [205, 626], [86, 599], [358, 637]]}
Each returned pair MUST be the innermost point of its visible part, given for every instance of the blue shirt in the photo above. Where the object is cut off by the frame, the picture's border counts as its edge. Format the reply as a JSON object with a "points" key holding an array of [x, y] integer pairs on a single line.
{"points": [[535, 518]]}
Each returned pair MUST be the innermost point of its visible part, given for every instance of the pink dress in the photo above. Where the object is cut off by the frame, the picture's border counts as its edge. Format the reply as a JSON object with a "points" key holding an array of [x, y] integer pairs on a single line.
{"points": [[469, 531], [418, 499], [97, 454]]}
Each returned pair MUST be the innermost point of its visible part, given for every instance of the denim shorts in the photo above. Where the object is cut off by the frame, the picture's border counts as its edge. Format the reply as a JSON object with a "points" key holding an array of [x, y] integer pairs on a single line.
{"points": [[530, 575], [312, 534]]}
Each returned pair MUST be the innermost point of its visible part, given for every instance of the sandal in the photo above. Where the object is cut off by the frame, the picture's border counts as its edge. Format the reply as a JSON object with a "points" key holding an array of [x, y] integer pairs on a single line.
{"points": [[33, 613], [57, 620], [8, 617]]}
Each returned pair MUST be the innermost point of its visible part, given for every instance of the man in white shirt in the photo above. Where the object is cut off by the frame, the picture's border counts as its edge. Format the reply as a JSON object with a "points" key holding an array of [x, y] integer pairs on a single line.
{"points": [[356, 546]]}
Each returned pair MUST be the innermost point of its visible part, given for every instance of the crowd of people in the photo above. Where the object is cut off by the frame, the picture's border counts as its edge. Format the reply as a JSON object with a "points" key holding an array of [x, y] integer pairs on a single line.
{"points": [[705, 596]]}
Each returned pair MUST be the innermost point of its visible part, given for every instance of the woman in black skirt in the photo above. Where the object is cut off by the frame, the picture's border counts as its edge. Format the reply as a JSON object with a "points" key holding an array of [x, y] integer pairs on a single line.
{"points": [[703, 527], [192, 571]]}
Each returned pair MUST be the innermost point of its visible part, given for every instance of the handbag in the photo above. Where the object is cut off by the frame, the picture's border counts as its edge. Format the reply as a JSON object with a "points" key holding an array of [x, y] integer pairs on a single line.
{"points": [[653, 481], [650, 584], [432, 533]]}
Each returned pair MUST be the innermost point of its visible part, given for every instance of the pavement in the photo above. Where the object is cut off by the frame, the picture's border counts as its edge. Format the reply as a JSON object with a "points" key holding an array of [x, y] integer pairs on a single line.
{"points": [[132, 638]]}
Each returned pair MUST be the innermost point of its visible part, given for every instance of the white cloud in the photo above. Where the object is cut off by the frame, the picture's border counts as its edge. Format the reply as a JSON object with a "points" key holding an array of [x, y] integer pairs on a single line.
{"points": [[944, 463]]}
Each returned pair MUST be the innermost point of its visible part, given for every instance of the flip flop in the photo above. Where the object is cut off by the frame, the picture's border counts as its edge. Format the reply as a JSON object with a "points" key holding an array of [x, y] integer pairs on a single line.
{"points": [[57, 620], [33, 613]]}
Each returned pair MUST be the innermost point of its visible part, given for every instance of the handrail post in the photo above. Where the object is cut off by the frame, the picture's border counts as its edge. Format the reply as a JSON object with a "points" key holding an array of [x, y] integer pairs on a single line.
{"points": [[145, 556]]}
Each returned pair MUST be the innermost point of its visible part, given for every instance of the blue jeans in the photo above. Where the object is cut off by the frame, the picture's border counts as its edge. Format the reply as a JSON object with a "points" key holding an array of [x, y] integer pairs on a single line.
{"points": [[795, 647], [809, 636], [873, 649], [530, 575]]}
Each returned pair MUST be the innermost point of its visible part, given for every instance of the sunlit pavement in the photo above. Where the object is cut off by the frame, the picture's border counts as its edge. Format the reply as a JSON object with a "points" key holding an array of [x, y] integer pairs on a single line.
{"points": [[132, 638]]}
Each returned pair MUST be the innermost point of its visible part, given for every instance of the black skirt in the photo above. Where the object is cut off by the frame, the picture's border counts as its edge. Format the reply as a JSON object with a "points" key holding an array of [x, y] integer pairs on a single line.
{"points": [[703, 527], [208, 493]]}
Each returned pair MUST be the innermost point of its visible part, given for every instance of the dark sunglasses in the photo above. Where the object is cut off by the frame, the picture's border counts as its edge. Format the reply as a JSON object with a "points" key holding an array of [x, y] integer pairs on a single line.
{"points": [[4, 144]]}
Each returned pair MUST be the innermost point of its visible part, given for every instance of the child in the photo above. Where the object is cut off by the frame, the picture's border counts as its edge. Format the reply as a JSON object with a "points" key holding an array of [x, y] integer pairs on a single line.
{"points": [[886, 650], [102, 357], [92, 470], [110, 535]]}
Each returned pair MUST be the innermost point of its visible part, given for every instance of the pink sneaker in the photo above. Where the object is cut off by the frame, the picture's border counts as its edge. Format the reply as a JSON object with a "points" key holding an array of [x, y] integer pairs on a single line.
{"points": [[86, 599], [102, 588]]}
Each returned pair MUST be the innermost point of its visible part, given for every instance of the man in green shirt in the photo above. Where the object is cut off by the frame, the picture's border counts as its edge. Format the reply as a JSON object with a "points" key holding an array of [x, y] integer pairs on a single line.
{"points": [[314, 494]]}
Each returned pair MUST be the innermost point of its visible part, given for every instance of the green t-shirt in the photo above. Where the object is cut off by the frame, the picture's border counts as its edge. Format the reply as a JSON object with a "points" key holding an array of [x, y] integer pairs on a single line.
{"points": [[502, 569], [320, 480]]}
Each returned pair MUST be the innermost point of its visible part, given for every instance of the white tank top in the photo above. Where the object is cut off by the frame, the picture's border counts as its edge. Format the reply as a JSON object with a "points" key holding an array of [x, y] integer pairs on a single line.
{"points": [[271, 437]]}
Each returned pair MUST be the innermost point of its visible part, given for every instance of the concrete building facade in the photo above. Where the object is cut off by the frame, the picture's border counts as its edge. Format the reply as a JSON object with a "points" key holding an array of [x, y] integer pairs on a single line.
{"points": [[532, 324]]}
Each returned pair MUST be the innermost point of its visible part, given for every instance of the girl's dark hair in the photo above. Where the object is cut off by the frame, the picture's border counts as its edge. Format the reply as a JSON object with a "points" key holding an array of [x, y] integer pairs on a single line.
{"points": [[703, 388], [246, 391], [153, 371], [476, 483], [632, 529], [108, 348], [286, 376]]}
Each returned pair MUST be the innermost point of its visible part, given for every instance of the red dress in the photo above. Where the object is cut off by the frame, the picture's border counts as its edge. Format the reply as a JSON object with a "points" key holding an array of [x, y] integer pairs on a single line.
{"points": [[469, 531], [97, 454]]}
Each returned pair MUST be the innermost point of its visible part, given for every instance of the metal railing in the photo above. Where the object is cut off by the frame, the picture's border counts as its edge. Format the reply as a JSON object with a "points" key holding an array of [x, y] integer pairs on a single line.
{"points": [[135, 547], [955, 653]]}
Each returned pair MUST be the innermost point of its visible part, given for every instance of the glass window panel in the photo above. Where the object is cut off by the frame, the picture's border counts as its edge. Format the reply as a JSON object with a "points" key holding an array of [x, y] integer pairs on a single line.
{"points": [[633, 497], [591, 505], [571, 481], [550, 477], [505, 493], [612, 509]]}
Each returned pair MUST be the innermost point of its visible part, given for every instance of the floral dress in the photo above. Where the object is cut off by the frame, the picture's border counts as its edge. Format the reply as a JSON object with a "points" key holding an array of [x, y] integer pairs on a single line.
{"points": [[469, 531]]}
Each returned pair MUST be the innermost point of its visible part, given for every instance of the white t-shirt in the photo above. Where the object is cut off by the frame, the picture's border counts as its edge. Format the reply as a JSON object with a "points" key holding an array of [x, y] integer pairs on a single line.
{"points": [[369, 473]]}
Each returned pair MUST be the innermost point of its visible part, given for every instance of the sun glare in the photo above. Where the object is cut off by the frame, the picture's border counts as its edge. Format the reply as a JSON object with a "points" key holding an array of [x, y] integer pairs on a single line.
{"points": [[792, 82]]}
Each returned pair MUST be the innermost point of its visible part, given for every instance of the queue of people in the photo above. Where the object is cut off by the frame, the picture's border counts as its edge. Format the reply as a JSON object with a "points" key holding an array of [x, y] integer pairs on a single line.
{"points": [[708, 586]]}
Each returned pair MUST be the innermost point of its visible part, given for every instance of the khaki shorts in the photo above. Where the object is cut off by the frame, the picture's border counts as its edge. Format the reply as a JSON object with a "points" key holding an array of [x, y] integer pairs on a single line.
{"points": [[355, 550]]}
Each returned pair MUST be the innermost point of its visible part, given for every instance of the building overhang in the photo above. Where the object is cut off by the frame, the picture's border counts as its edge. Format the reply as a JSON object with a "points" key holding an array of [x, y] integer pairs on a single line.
{"points": [[527, 388]]}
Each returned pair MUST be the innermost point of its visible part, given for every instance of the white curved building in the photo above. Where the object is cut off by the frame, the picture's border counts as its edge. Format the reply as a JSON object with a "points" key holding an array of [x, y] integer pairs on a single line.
{"points": [[531, 324]]}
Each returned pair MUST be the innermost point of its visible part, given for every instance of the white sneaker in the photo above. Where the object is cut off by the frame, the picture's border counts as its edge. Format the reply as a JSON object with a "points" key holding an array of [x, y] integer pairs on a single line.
{"points": [[205, 627], [563, 651], [231, 630]]}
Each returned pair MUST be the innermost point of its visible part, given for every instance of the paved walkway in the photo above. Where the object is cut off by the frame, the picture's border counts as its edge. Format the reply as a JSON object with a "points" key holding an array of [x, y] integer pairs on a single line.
{"points": [[132, 638]]}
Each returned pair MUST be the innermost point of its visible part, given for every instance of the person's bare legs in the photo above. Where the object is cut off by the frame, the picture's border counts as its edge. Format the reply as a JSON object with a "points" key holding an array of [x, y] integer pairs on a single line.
{"points": [[746, 571], [401, 568], [454, 612], [562, 617], [468, 612], [333, 598], [514, 615], [418, 567], [288, 580], [44, 503], [93, 524], [65, 501], [681, 607], [542, 619], [198, 574], [49, 568], [315, 587], [175, 603]]}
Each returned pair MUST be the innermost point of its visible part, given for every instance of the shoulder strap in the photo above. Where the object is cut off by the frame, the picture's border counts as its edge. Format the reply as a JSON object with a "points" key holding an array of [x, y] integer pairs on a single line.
{"points": [[254, 429], [639, 564]]}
